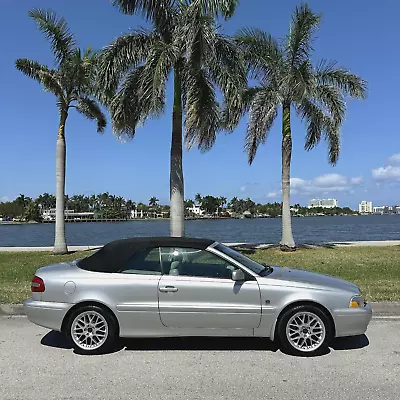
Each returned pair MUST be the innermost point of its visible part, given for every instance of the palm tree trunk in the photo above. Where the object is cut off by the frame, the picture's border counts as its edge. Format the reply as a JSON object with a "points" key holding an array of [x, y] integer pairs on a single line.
{"points": [[60, 245], [176, 174], [287, 242]]}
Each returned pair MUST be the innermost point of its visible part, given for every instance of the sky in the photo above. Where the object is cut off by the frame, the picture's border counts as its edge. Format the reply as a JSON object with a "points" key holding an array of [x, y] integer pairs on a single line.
{"points": [[361, 35]]}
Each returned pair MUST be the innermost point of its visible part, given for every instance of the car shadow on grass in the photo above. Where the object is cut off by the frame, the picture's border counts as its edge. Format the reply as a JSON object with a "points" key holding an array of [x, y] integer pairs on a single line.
{"points": [[59, 340]]}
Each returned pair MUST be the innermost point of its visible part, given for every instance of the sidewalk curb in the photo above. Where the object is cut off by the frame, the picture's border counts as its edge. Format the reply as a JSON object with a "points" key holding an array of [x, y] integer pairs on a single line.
{"points": [[11, 309], [380, 309]]}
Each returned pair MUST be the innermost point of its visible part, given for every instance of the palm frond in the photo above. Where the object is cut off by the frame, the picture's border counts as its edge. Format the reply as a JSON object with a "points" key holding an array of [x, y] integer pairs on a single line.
{"points": [[202, 119], [42, 74], [231, 116], [160, 12], [300, 82], [126, 108], [299, 41], [350, 84], [263, 112], [332, 99], [228, 73], [155, 76], [224, 8], [262, 54], [91, 110], [315, 118], [56, 30], [124, 53], [196, 34], [318, 123], [332, 137]]}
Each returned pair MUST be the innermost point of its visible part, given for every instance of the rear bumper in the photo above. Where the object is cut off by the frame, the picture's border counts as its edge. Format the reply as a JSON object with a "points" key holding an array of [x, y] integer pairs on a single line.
{"points": [[352, 321], [47, 314]]}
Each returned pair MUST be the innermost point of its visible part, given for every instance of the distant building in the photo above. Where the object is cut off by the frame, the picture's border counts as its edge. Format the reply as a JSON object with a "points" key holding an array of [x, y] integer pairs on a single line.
{"points": [[324, 203], [365, 207], [50, 215], [136, 214], [382, 210], [196, 210], [387, 210], [396, 209]]}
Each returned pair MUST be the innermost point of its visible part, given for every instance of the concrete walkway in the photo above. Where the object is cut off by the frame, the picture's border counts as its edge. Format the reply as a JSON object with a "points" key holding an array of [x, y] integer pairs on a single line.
{"points": [[375, 243]]}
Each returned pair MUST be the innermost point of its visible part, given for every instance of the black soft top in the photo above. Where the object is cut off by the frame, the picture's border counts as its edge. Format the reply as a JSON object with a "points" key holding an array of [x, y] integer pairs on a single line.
{"points": [[114, 254]]}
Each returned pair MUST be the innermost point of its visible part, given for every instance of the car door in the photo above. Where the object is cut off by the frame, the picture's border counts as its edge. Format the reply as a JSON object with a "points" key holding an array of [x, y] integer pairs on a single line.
{"points": [[134, 289], [196, 290]]}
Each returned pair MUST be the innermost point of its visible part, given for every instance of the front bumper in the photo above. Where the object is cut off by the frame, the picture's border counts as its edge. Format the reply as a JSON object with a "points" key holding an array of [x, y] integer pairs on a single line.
{"points": [[352, 321], [47, 314]]}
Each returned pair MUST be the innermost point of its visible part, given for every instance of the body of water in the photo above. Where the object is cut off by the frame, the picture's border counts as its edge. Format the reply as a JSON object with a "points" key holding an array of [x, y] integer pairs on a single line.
{"points": [[305, 230]]}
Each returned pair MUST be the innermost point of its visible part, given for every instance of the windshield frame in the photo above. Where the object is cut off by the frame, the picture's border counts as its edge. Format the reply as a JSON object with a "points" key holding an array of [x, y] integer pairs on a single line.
{"points": [[239, 258]]}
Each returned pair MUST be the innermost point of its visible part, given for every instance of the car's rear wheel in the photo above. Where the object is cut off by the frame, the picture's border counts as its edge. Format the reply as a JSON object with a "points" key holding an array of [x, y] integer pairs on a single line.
{"points": [[305, 330], [92, 330]]}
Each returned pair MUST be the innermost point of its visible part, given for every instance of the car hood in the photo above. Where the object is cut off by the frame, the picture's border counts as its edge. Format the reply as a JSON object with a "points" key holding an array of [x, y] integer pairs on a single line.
{"points": [[311, 279]]}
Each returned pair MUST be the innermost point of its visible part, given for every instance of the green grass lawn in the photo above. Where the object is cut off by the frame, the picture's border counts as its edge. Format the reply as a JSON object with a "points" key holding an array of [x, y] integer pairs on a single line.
{"points": [[17, 270], [376, 270]]}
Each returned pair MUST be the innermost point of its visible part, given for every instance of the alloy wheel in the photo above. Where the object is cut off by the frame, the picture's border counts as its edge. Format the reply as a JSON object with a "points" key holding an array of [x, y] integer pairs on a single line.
{"points": [[305, 331], [89, 330]]}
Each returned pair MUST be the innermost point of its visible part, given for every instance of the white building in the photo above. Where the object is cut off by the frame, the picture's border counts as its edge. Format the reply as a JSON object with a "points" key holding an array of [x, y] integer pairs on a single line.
{"points": [[196, 210], [324, 203], [382, 210], [136, 214], [50, 215], [365, 207]]}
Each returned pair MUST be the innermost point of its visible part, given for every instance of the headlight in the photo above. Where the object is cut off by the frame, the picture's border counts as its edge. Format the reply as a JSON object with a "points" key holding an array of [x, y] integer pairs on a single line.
{"points": [[357, 301]]}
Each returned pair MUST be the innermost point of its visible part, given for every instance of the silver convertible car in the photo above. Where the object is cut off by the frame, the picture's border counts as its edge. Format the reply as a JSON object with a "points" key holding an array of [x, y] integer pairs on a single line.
{"points": [[164, 287]]}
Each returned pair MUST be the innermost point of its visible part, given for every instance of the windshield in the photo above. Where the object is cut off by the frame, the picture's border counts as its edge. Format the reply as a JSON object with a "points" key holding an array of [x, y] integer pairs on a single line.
{"points": [[242, 259]]}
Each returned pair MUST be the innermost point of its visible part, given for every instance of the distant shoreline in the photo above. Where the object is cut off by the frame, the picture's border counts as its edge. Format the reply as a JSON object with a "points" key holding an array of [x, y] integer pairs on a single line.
{"points": [[186, 219]]}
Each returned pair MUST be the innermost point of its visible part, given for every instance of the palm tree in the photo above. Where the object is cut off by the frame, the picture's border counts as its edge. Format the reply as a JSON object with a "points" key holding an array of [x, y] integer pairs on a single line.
{"points": [[153, 202], [71, 83], [287, 79], [198, 198], [185, 43]]}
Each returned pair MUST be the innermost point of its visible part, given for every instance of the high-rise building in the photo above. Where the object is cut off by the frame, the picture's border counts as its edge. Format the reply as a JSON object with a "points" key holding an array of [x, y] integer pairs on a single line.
{"points": [[324, 203], [365, 207]]}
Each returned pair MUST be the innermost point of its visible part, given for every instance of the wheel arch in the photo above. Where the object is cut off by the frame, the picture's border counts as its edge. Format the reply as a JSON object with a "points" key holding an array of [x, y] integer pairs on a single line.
{"points": [[84, 304], [297, 303]]}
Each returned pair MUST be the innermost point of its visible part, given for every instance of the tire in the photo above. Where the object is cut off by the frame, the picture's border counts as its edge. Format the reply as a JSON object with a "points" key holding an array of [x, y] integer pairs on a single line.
{"points": [[92, 330], [305, 331]]}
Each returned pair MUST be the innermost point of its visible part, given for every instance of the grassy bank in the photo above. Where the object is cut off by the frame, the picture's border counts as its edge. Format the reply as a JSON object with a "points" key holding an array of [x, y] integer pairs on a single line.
{"points": [[375, 269], [17, 269]]}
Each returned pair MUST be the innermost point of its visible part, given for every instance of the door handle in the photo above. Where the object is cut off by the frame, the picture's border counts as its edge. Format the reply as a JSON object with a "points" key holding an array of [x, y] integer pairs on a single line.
{"points": [[168, 289]]}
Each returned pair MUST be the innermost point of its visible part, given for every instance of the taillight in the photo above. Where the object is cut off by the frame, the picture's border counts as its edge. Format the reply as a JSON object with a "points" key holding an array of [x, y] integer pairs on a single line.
{"points": [[37, 284]]}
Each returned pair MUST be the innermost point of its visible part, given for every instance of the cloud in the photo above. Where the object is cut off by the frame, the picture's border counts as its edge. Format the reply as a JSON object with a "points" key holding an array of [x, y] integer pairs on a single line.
{"points": [[324, 184], [4, 199], [394, 159], [243, 189], [272, 195], [390, 172]]}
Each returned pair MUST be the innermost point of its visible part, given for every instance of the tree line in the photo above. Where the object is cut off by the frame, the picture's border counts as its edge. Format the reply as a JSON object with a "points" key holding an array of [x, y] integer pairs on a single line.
{"points": [[109, 206], [185, 41]]}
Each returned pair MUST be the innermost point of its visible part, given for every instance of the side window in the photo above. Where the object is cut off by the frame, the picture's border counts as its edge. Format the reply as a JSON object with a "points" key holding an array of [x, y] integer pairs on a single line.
{"points": [[194, 262], [144, 262]]}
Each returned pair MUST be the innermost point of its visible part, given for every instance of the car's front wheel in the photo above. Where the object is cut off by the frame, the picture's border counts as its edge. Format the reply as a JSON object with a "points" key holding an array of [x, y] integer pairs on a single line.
{"points": [[92, 330], [305, 330]]}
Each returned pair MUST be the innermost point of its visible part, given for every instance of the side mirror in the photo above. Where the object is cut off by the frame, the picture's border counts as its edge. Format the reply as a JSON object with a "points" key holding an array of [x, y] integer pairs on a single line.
{"points": [[238, 275]]}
